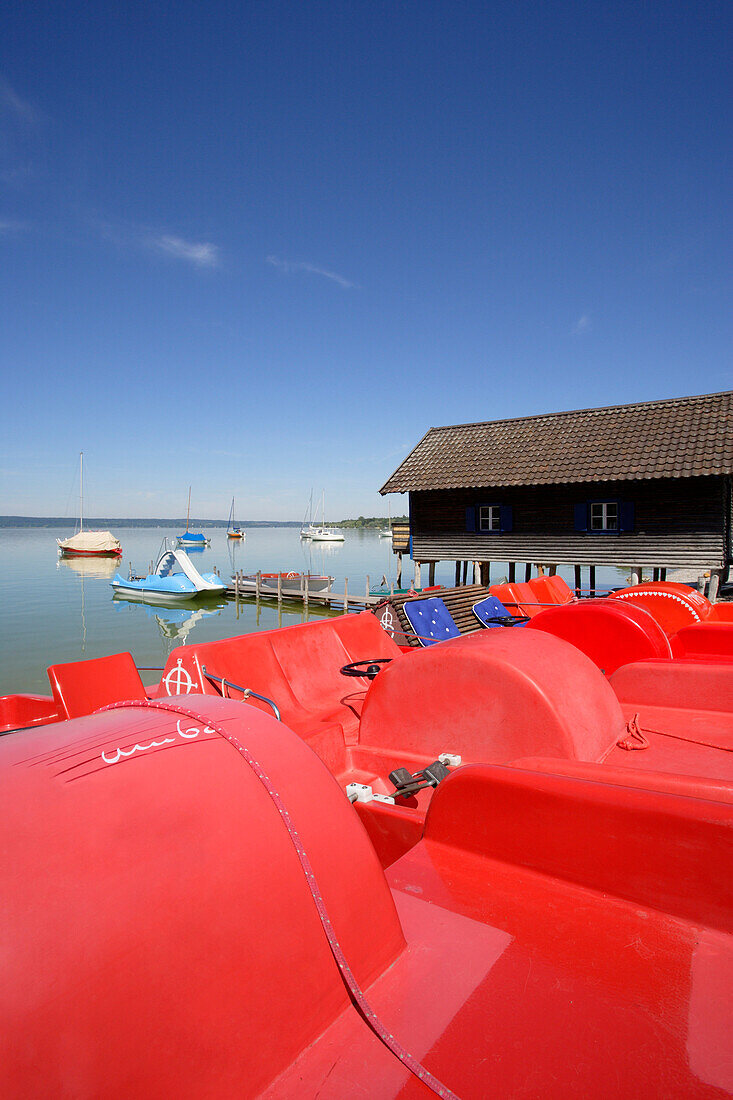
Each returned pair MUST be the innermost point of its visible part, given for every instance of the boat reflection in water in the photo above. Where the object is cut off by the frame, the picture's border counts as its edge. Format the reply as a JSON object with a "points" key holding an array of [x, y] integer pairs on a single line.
{"points": [[174, 623], [88, 568]]}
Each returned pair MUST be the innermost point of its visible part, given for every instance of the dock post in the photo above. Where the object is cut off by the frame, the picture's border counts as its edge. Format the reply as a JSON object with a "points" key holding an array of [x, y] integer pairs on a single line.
{"points": [[258, 580], [553, 570], [279, 589], [305, 593], [458, 573], [577, 580], [417, 574], [592, 579], [391, 588], [527, 571], [367, 588], [512, 571], [465, 573], [236, 587], [346, 594], [399, 569], [431, 573]]}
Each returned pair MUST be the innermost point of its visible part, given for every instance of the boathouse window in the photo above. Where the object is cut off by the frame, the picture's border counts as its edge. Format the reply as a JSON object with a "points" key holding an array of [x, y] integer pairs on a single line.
{"points": [[489, 518], [612, 516], [604, 516]]}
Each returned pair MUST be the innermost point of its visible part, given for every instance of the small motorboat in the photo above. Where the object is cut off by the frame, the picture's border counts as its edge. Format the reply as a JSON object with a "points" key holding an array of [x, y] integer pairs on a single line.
{"points": [[289, 582], [88, 544], [175, 578]]}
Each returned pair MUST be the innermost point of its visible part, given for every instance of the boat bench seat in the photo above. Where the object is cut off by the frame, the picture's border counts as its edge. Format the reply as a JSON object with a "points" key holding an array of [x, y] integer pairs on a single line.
{"points": [[659, 844], [298, 667], [81, 687]]}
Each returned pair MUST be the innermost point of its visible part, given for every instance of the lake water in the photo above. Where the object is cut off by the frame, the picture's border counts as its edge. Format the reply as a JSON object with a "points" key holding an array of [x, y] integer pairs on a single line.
{"points": [[62, 609]]}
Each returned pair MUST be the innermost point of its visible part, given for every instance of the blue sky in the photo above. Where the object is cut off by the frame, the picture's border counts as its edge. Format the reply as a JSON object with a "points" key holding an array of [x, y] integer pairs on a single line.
{"points": [[261, 247]]}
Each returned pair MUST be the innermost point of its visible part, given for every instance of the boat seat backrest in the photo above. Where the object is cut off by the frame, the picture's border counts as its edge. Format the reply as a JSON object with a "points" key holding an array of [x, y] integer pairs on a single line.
{"points": [[431, 620], [551, 590], [82, 687], [489, 609]]}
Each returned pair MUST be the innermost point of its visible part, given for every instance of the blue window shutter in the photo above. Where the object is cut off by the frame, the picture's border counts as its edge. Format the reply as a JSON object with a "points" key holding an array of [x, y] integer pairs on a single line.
{"points": [[625, 515], [470, 519], [410, 544], [581, 516], [505, 513]]}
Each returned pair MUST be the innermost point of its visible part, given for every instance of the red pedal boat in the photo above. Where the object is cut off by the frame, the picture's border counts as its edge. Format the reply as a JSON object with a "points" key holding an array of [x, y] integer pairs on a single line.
{"points": [[193, 905]]}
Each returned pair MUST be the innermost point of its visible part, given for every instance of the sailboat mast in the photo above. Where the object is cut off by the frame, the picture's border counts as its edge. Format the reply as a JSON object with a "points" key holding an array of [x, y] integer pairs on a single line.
{"points": [[188, 510], [81, 491]]}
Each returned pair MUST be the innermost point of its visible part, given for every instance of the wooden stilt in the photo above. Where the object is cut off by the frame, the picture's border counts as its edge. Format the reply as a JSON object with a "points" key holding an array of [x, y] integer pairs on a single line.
{"points": [[431, 573], [458, 574], [465, 573], [592, 579], [399, 569], [417, 575], [528, 571], [663, 573], [512, 572], [553, 570], [367, 585], [279, 589], [577, 579]]}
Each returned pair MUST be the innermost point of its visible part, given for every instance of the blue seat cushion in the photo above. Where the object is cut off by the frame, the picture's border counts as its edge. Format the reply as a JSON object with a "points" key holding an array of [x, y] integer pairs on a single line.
{"points": [[490, 608], [431, 620]]}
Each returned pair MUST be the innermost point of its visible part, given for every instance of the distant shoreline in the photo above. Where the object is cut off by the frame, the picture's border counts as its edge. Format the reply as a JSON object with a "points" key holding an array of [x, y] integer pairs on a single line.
{"points": [[95, 523]]}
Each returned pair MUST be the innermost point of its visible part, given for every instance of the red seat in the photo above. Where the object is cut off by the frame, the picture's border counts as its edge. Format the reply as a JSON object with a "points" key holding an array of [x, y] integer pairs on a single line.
{"points": [[82, 687]]}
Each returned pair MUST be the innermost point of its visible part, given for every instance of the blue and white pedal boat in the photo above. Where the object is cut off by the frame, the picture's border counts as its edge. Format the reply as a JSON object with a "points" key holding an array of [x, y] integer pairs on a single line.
{"points": [[175, 578]]}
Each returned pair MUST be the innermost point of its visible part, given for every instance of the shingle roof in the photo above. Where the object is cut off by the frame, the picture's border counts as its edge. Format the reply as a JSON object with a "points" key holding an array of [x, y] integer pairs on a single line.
{"points": [[680, 437]]}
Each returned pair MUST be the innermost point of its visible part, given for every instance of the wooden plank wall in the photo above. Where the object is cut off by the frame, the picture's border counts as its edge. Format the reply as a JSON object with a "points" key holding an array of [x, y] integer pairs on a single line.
{"points": [[677, 522]]}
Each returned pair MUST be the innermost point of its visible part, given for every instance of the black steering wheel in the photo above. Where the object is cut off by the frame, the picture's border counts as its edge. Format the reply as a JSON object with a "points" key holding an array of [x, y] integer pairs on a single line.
{"points": [[509, 620], [369, 668]]}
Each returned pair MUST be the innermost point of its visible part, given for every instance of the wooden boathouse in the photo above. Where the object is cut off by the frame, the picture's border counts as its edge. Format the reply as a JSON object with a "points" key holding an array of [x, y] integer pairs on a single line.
{"points": [[642, 486]]}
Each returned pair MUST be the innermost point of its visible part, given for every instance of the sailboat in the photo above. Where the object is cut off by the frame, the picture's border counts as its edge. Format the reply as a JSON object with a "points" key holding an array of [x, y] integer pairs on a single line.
{"points": [[233, 532], [386, 532], [323, 533], [192, 538], [88, 544], [307, 532]]}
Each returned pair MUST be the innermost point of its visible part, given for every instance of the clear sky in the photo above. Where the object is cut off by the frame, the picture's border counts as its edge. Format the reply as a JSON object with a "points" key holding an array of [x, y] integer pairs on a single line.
{"points": [[258, 247]]}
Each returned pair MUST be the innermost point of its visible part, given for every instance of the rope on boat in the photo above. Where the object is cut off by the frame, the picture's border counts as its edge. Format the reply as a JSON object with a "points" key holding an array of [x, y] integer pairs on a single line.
{"points": [[637, 738], [352, 986]]}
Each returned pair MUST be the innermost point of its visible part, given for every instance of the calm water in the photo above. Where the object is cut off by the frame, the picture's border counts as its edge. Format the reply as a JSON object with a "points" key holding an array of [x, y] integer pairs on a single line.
{"points": [[56, 610]]}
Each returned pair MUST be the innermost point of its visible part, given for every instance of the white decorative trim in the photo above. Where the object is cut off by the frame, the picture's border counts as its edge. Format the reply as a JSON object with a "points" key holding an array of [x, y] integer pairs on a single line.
{"points": [[639, 597]]}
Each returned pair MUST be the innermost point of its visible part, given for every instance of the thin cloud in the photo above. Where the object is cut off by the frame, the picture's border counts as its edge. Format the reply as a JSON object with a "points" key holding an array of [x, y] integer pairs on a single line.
{"points": [[202, 255], [8, 226], [14, 105], [289, 266], [583, 324]]}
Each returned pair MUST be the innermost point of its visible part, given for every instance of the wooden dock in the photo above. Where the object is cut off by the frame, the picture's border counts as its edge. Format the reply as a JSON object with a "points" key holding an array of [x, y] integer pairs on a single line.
{"points": [[344, 601]]}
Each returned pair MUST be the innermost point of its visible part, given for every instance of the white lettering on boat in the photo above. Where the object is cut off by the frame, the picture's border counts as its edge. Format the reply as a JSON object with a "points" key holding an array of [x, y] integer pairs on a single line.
{"points": [[187, 734]]}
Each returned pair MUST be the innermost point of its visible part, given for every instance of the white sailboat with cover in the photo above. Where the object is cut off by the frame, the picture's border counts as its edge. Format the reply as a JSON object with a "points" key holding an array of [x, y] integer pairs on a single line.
{"points": [[88, 544]]}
